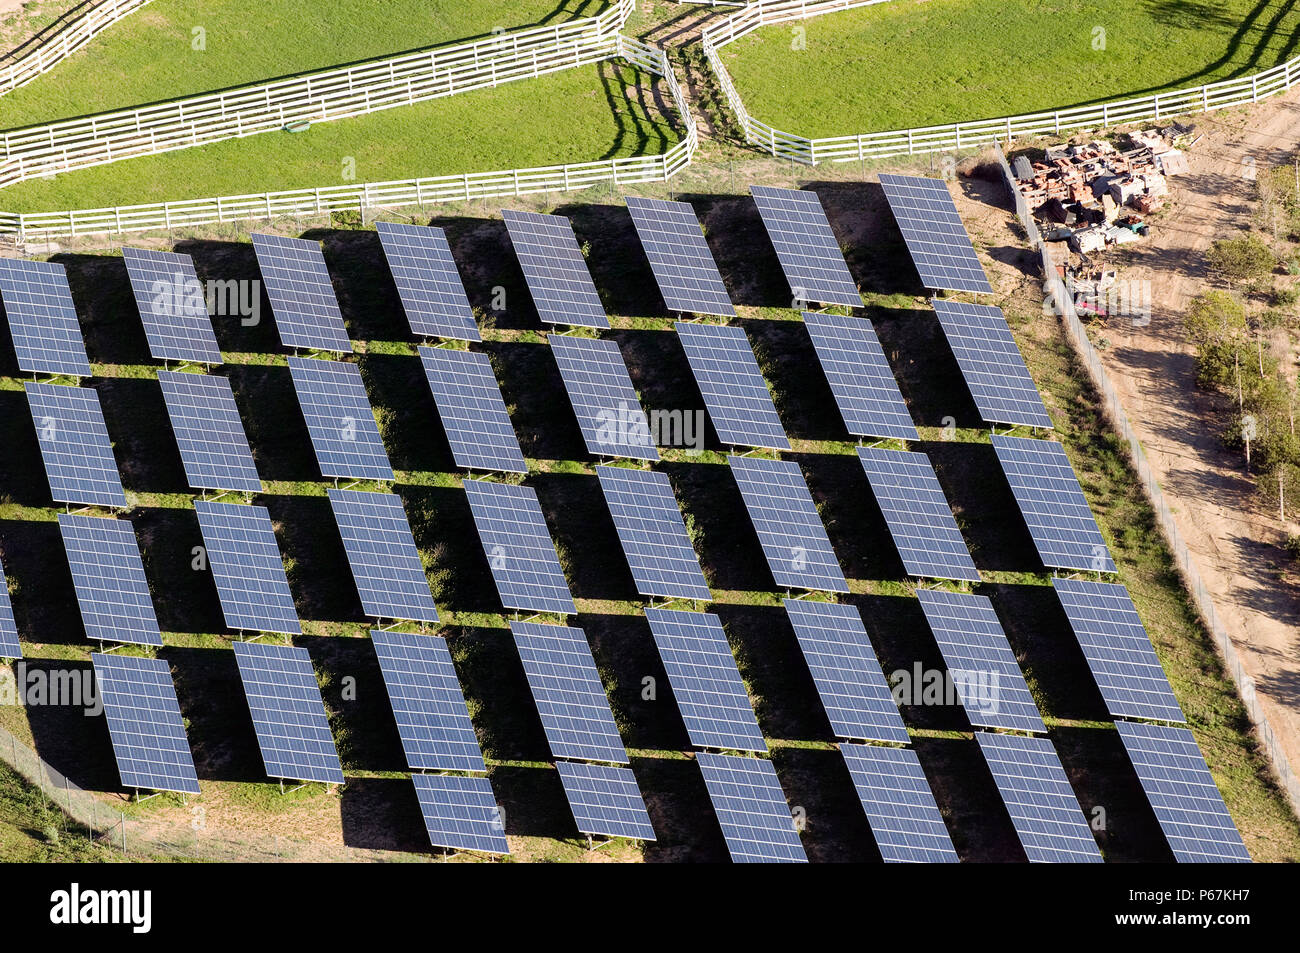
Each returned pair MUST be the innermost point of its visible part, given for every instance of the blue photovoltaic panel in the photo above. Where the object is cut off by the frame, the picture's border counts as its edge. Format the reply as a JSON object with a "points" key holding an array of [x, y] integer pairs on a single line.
{"points": [[209, 432], [1119, 652], [518, 547], [1053, 505], [245, 560], [1182, 792], [752, 811], [75, 448], [9, 647], [679, 256], [428, 705], [846, 671], [861, 379], [108, 575], [288, 712], [991, 363], [806, 246], [794, 540], [652, 533], [555, 270], [605, 800], [937, 240], [1044, 810], [339, 418], [568, 693], [302, 297], [428, 283], [144, 723], [896, 798], [979, 659], [917, 513], [472, 410], [173, 307], [381, 551], [604, 401], [42, 318], [461, 813], [706, 683], [732, 385]]}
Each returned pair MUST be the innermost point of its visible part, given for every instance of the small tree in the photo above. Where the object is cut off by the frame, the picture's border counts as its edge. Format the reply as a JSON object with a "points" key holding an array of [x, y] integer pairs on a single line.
{"points": [[1240, 259], [1216, 323]]}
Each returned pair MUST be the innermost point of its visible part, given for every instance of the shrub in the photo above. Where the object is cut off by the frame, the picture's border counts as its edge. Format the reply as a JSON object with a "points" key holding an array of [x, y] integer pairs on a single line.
{"points": [[1240, 259]]}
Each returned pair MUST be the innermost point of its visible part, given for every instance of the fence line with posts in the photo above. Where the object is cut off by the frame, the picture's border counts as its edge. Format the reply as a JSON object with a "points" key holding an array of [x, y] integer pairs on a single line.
{"points": [[48, 51]]}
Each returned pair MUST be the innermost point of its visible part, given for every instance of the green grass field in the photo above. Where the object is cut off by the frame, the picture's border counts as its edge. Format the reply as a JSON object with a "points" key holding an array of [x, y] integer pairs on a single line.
{"points": [[911, 63], [149, 56], [580, 115]]}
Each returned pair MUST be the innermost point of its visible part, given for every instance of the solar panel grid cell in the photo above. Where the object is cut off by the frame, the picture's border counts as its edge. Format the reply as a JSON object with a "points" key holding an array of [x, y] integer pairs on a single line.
{"points": [[732, 385], [679, 256], [428, 283], [518, 547], [144, 723], [75, 447], [298, 286], [172, 305], [751, 809], [209, 432], [9, 646], [240, 546], [940, 247], [344, 433], [605, 800], [42, 318], [806, 246], [472, 410], [860, 377], [385, 562], [608, 410], [555, 270], [461, 813], [109, 578], [900, 808]]}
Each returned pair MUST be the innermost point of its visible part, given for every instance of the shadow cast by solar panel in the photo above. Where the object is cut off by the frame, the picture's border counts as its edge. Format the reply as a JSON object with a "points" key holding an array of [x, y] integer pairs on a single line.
{"points": [[724, 536], [646, 711], [854, 522], [800, 390], [363, 284], [237, 262], [584, 536], [184, 598], [873, 246], [273, 421], [148, 458], [539, 406], [65, 734], [44, 599], [662, 377], [686, 828], [618, 267], [106, 309], [361, 718], [215, 709], [969, 801], [924, 366], [8, 356], [817, 784], [1020, 258], [533, 803], [22, 474], [496, 690], [314, 558], [383, 814], [494, 282], [740, 247], [443, 527]]}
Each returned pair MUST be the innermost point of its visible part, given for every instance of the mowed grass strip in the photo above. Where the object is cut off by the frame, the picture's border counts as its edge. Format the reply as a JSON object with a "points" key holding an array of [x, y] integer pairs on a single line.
{"points": [[150, 55], [912, 63], [588, 113]]}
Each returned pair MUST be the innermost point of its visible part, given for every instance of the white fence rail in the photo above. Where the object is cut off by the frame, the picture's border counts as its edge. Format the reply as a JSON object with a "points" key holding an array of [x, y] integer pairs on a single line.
{"points": [[629, 170], [316, 97], [46, 52], [964, 135]]}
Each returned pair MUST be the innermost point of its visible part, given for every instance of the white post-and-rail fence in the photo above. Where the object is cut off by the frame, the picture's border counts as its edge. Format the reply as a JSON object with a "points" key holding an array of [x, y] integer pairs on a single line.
{"points": [[963, 135], [1054, 286], [46, 52], [39, 226], [337, 93]]}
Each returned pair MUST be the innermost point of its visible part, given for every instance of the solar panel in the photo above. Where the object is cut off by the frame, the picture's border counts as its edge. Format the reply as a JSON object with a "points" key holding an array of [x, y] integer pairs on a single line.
{"points": [[937, 240], [917, 513], [1119, 652], [983, 668], [385, 563], [555, 270], [209, 432], [428, 283], [288, 712], [732, 385], [9, 647], [1053, 505], [1182, 792], [1044, 810], [42, 318], [241, 549], [302, 297], [806, 246], [568, 693], [144, 723], [604, 401], [679, 256], [860, 377], [847, 673], [518, 547], [461, 813], [75, 448], [173, 307], [425, 695], [895, 795], [794, 540], [706, 683], [652, 533], [472, 411], [751, 808], [605, 800], [991, 363], [108, 575], [339, 418]]}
